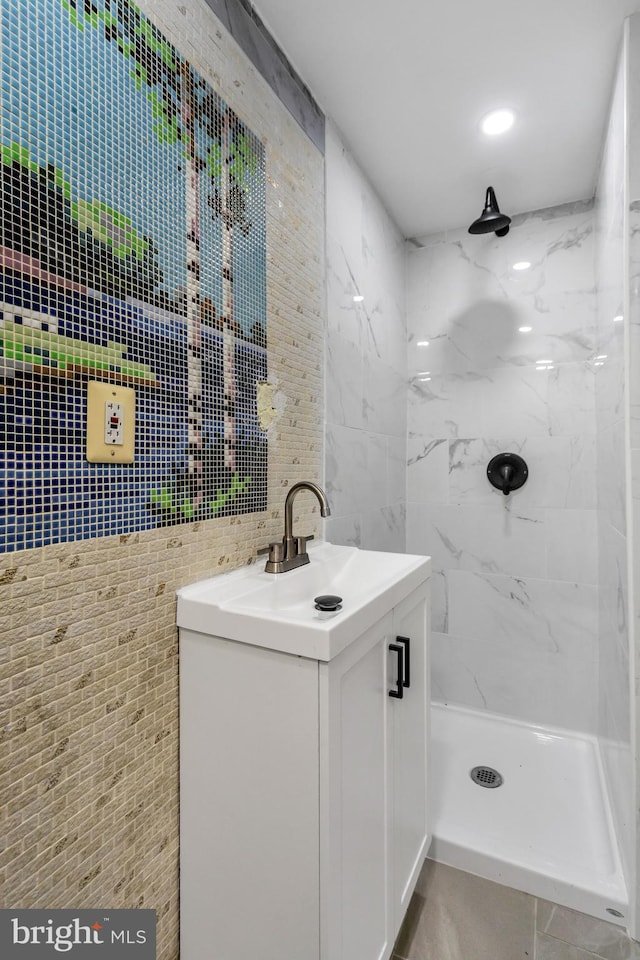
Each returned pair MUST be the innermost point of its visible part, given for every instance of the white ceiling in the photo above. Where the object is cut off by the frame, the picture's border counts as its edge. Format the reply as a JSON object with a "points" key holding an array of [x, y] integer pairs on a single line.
{"points": [[407, 84]]}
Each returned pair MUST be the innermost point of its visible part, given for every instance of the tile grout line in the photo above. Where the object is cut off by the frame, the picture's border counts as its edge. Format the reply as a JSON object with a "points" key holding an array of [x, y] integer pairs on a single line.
{"points": [[569, 943]]}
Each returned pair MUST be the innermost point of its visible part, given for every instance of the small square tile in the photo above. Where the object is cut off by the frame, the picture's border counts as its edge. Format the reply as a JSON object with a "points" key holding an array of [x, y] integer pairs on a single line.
{"points": [[160, 290]]}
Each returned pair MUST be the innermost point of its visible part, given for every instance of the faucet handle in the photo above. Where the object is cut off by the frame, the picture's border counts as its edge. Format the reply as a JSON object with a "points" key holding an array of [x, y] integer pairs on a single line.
{"points": [[275, 550], [301, 543]]}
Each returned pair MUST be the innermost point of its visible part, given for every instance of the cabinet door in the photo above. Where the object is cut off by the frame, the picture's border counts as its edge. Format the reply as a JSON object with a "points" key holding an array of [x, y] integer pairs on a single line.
{"points": [[408, 734], [354, 813]]}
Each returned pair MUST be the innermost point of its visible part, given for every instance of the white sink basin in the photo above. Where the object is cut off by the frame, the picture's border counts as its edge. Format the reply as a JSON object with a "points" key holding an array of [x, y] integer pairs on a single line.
{"points": [[278, 610]]}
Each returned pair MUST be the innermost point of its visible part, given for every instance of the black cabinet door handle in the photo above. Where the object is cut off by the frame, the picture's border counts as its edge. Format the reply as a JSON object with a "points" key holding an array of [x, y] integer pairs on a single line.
{"points": [[398, 692], [406, 680]]}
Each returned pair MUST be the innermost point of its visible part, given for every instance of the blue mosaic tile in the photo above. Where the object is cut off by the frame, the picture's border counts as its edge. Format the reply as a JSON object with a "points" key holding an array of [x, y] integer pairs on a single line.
{"points": [[132, 250]]}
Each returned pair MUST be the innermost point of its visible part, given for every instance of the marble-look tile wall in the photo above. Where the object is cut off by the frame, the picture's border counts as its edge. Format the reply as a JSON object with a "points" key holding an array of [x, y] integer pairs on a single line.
{"points": [[515, 584], [365, 376], [632, 311], [613, 620]]}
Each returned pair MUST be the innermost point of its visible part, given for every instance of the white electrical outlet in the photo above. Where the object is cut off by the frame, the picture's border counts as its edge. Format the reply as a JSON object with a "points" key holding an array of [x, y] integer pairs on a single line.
{"points": [[114, 423]]}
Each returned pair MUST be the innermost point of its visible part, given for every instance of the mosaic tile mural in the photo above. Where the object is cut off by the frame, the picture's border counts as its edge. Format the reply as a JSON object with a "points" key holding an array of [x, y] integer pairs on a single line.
{"points": [[132, 250]]}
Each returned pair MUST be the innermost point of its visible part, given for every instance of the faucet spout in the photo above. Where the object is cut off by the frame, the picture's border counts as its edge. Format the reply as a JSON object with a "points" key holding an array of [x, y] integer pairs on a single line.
{"points": [[325, 510]]}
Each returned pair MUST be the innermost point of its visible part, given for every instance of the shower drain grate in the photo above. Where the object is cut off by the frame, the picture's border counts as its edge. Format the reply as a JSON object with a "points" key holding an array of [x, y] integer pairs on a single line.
{"points": [[486, 777]]}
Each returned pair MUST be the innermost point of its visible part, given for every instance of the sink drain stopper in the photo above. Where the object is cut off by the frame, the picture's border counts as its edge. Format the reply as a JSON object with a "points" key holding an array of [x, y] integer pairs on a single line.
{"points": [[328, 603], [486, 777]]}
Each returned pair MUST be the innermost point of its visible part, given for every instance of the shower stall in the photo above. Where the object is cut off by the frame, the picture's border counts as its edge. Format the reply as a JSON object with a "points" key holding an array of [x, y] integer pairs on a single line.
{"points": [[528, 344], [533, 349]]}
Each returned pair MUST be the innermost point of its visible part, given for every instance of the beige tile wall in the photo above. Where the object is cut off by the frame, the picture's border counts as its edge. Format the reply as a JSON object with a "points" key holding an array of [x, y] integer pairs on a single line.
{"points": [[89, 659]]}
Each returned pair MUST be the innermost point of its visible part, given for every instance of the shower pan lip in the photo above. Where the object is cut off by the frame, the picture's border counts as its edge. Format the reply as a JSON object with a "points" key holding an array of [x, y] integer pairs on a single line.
{"points": [[480, 831]]}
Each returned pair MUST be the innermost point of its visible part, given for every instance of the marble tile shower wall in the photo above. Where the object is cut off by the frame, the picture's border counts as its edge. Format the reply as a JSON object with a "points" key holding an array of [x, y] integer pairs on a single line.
{"points": [[515, 595], [613, 626], [633, 499], [365, 385]]}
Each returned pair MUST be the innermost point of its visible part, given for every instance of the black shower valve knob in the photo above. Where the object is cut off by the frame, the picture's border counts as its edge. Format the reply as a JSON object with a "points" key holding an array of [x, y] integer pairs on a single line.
{"points": [[507, 472]]}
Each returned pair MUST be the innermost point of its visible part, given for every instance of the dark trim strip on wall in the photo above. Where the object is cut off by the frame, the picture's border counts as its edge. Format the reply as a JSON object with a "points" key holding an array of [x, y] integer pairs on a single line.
{"points": [[242, 21]]}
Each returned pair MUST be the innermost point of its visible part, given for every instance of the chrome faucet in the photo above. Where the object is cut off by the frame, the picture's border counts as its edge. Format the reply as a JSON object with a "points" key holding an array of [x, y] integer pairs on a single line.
{"points": [[291, 552]]}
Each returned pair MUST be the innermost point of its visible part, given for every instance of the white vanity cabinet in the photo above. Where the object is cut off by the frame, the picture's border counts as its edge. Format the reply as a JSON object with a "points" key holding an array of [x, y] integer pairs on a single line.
{"points": [[303, 793]]}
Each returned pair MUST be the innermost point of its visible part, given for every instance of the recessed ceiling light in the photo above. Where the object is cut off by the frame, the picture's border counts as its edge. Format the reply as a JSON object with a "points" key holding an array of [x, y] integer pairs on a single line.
{"points": [[521, 265], [358, 298], [422, 343], [601, 356], [618, 318], [544, 361], [424, 373], [424, 379], [498, 121], [599, 363], [525, 329]]}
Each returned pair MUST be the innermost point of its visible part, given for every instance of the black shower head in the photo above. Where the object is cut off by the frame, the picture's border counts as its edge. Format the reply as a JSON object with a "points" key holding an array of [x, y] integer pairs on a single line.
{"points": [[491, 220]]}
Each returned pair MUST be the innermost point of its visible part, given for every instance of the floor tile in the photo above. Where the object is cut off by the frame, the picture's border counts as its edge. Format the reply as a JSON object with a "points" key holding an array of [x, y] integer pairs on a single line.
{"points": [[606, 940], [456, 916], [548, 948]]}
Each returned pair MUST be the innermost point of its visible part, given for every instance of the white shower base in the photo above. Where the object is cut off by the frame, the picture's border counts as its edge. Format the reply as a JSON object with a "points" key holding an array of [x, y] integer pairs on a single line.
{"points": [[547, 830]]}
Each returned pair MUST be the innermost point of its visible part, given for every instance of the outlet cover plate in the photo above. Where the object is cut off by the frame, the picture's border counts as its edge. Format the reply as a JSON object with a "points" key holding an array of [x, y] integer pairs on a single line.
{"points": [[98, 396]]}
